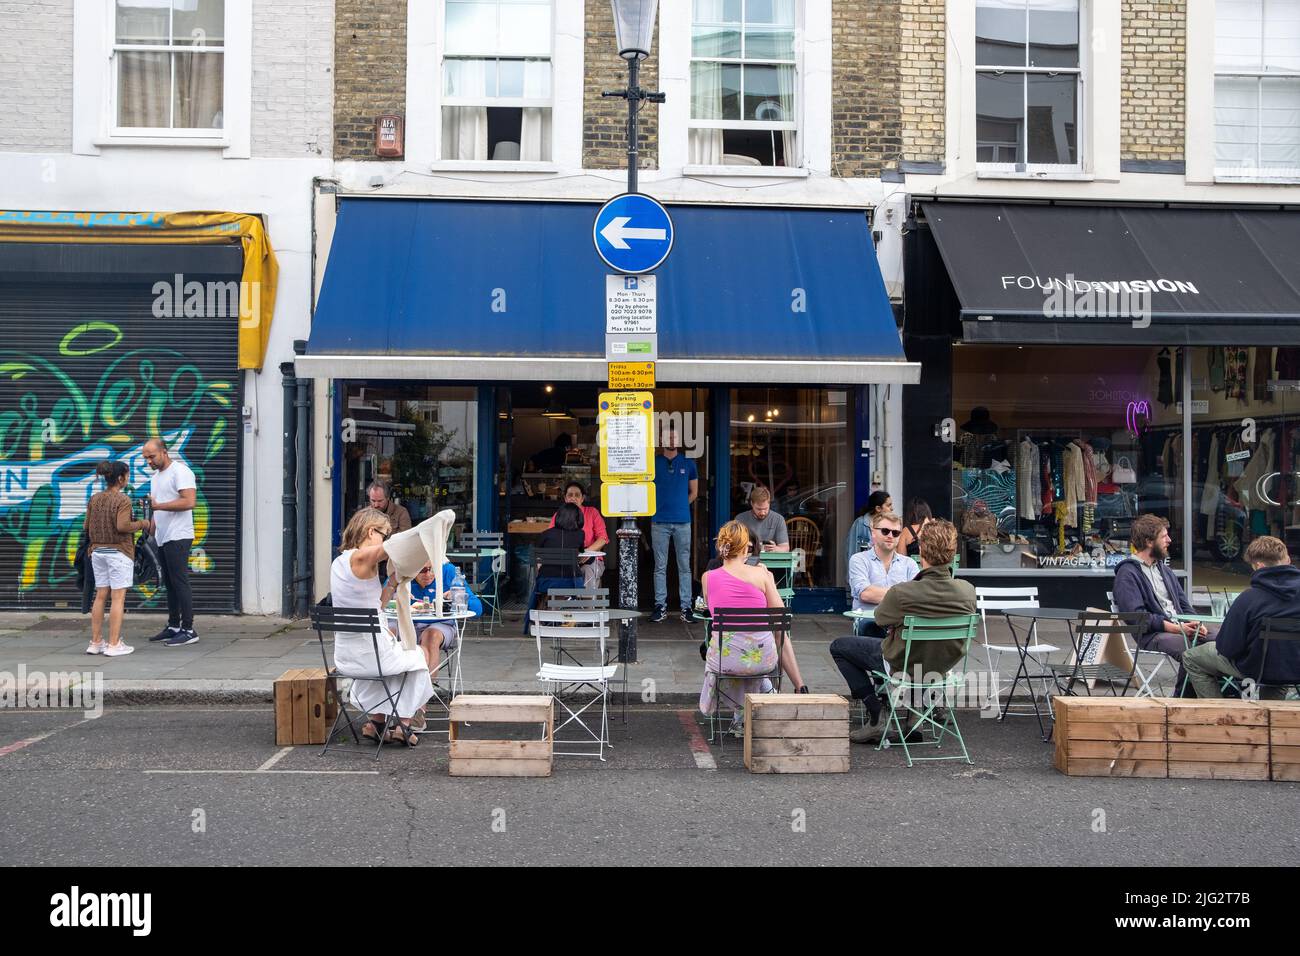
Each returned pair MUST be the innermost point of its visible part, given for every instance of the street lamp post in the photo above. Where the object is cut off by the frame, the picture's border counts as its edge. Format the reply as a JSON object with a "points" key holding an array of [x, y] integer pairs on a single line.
{"points": [[634, 29]]}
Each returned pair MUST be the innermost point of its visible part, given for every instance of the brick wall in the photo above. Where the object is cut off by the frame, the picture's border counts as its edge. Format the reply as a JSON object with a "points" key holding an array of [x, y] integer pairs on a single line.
{"points": [[369, 71], [866, 122], [604, 121], [1152, 94], [922, 52], [36, 76], [293, 84]]}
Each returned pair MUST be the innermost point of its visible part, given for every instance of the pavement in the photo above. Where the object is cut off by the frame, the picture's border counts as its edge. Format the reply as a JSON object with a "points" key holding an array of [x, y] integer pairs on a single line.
{"points": [[175, 785], [238, 657]]}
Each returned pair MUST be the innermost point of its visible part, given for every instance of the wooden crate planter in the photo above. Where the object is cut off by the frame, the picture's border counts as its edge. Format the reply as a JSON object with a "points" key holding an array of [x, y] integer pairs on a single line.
{"points": [[1218, 739], [1110, 737], [501, 758], [1283, 738], [796, 733], [305, 707]]}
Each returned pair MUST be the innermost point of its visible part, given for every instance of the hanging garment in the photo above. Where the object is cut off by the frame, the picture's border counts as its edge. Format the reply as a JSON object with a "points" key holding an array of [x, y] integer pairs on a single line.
{"points": [[1164, 387], [1249, 490], [1074, 489], [1048, 496], [1217, 366], [1210, 490], [1029, 481], [1235, 373], [1089, 471], [1288, 364], [1178, 377], [1262, 374]]}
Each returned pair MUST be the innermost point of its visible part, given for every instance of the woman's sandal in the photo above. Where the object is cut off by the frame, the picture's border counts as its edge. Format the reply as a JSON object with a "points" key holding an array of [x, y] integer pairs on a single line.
{"points": [[373, 730], [404, 735]]}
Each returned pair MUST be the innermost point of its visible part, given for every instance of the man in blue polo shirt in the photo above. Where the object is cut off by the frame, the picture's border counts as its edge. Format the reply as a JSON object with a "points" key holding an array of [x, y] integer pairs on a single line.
{"points": [[677, 484]]}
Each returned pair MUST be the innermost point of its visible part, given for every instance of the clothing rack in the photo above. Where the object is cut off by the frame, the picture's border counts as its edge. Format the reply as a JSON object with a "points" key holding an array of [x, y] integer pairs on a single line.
{"points": [[1231, 422]]}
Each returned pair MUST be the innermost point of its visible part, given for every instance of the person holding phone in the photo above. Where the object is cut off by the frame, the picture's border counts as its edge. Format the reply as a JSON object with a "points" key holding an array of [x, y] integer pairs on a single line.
{"points": [[763, 524]]}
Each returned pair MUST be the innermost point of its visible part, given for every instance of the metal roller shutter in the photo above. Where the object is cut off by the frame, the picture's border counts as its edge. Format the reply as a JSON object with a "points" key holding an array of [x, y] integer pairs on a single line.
{"points": [[89, 370]]}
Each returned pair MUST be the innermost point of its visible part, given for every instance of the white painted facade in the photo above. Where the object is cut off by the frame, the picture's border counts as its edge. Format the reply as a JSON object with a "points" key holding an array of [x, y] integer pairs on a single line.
{"points": [[56, 154]]}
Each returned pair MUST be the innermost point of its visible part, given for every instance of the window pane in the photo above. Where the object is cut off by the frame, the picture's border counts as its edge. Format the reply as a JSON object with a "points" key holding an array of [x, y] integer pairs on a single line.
{"points": [[769, 43], [525, 29], [472, 79], [471, 26], [715, 41], [1054, 33], [730, 91], [1238, 34], [143, 21], [1282, 36], [769, 93], [1000, 33], [199, 22], [716, 11], [143, 90], [776, 12], [1236, 122], [1279, 146], [198, 90], [530, 78], [1052, 119], [999, 118], [706, 90]]}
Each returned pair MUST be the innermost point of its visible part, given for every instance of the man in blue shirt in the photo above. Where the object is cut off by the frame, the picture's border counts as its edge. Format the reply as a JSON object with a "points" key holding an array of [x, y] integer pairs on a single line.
{"points": [[677, 484], [874, 571]]}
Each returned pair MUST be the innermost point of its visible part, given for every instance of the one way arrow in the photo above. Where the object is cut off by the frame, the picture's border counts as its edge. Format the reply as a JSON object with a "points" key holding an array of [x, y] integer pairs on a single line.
{"points": [[617, 232]]}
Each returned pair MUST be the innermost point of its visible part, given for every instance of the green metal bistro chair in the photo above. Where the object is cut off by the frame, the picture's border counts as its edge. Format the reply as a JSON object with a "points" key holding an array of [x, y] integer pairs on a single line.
{"points": [[920, 698]]}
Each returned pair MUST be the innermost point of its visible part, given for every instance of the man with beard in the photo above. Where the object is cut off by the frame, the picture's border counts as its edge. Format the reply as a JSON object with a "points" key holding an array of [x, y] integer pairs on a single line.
{"points": [[1144, 583]]}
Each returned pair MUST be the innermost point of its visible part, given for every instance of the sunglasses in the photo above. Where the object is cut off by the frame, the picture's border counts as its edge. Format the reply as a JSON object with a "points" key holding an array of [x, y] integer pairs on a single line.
{"points": [[890, 532]]}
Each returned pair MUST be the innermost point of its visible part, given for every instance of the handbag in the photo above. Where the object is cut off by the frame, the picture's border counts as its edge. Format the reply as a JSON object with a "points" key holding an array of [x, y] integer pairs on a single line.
{"points": [[1123, 473], [148, 562], [980, 523]]}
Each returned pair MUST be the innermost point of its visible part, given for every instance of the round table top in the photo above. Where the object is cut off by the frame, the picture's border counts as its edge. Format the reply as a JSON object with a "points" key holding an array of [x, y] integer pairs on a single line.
{"points": [[426, 618], [1201, 618], [614, 613], [1044, 613], [866, 614], [480, 553]]}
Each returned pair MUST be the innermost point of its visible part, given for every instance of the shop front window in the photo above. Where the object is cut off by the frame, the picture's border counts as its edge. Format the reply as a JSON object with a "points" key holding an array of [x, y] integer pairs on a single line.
{"points": [[795, 443], [1245, 474], [420, 440], [1056, 450]]}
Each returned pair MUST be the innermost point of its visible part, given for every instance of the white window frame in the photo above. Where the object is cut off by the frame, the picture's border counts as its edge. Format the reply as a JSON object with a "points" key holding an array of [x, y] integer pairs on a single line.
{"points": [[94, 90], [1080, 72], [495, 102], [1257, 173], [792, 163]]}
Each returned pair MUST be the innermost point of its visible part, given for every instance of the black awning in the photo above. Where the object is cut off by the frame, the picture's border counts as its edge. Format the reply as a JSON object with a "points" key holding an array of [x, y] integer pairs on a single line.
{"points": [[1116, 275]]}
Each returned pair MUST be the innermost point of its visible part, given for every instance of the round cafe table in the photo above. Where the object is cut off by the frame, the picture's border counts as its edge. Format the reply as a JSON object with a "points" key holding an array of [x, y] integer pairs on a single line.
{"points": [[1024, 640]]}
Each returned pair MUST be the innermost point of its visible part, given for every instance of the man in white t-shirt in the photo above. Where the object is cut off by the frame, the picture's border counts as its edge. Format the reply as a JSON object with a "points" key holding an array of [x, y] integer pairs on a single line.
{"points": [[172, 492]]}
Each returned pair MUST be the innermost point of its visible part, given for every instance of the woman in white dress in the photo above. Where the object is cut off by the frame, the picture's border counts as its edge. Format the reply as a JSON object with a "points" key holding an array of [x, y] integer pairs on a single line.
{"points": [[354, 583]]}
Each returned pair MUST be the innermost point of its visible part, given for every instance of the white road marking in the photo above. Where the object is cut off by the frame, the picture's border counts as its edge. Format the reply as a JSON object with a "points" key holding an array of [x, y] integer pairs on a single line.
{"points": [[265, 772], [274, 760], [699, 746]]}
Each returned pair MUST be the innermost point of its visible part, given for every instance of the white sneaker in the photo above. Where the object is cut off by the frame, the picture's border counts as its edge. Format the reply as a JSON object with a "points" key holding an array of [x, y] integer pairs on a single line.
{"points": [[737, 725], [95, 648], [120, 649]]}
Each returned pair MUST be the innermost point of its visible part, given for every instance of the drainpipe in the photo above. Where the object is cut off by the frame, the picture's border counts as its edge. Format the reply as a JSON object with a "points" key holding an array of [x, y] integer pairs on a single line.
{"points": [[288, 499], [302, 452]]}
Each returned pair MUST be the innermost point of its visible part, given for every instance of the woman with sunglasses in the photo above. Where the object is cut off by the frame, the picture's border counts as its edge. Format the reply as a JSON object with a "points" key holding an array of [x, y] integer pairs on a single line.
{"points": [[874, 571], [355, 583]]}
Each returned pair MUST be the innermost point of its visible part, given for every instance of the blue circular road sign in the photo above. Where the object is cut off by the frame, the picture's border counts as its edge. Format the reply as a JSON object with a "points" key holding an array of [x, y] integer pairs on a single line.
{"points": [[633, 233]]}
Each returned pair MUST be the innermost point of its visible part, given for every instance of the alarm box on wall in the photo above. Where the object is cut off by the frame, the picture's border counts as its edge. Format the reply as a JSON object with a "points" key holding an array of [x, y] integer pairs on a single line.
{"points": [[389, 136]]}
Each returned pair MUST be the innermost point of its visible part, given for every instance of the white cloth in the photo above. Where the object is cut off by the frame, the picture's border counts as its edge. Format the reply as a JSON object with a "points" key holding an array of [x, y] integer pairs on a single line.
{"points": [[408, 552], [355, 653], [112, 568], [1257, 470], [166, 486]]}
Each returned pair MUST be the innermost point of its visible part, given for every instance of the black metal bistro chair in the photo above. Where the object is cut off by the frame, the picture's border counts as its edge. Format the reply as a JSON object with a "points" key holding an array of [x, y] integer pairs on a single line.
{"points": [[727, 621]]}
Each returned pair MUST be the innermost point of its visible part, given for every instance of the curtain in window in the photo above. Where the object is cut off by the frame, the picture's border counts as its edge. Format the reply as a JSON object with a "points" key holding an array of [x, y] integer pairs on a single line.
{"points": [[465, 128], [785, 83], [143, 90], [535, 126], [705, 145], [198, 91]]}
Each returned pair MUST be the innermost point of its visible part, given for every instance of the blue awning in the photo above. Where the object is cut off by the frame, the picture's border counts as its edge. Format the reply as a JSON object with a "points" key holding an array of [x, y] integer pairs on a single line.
{"points": [[499, 291]]}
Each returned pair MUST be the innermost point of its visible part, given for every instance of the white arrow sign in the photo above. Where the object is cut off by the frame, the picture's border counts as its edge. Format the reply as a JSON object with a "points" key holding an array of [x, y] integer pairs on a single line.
{"points": [[617, 232]]}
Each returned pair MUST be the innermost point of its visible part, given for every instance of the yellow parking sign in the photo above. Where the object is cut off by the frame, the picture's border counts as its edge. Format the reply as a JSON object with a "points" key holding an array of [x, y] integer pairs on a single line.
{"points": [[626, 376], [626, 436]]}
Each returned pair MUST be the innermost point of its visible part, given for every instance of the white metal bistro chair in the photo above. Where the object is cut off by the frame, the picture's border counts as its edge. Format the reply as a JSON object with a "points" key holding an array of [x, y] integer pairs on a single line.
{"points": [[1147, 664], [1011, 599], [575, 626]]}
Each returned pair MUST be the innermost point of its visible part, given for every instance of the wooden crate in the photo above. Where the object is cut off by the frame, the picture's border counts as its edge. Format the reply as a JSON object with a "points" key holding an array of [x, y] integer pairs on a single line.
{"points": [[305, 707], [1217, 739], [796, 733], [1110, 737], [501, 758], [1283, 738]]}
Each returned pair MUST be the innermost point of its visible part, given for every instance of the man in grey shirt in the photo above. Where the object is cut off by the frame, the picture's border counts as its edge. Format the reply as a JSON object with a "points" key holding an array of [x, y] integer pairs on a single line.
{"points": [[763, 524]]}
